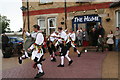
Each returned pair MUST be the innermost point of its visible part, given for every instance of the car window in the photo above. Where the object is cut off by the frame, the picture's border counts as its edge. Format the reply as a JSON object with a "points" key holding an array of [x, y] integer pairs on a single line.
{"points": [[12, 39], [19, 39]]}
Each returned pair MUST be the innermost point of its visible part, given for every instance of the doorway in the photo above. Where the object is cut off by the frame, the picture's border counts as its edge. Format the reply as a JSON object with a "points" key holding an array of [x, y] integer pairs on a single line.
{"points": [[91, 25]]}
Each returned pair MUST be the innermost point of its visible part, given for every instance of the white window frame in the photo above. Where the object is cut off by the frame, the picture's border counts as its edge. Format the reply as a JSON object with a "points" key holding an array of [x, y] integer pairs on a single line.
{"points": [[49, 24], [44, 23], [117, 15], [46, 1]]}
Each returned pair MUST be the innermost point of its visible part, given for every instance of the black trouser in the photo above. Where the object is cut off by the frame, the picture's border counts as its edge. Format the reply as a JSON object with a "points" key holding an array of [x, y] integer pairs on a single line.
{"points": [[100, 46], [64, 49], [51, 48], [110, 47], [44, 51], [94, 42], [37, 62]]}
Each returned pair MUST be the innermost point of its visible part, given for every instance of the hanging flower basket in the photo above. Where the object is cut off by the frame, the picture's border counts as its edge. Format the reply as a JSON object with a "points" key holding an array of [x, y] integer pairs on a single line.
{"points": [[108, 19]]}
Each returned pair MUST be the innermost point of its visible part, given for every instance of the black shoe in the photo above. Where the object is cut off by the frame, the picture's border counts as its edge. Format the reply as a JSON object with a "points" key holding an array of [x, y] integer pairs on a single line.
{"points": [[39, 75], [79, 55], [20, 61], [54, 59], [36, 76], [60, 65], [70, 62]]}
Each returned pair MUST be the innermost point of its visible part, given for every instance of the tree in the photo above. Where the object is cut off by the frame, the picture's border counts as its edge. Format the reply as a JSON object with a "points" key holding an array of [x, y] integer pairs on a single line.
{"points": [[4, 24]]}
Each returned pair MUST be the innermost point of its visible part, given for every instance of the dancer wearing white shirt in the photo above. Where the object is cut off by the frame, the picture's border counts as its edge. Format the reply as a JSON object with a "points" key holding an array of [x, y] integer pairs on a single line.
{"points": [[64, 48]]}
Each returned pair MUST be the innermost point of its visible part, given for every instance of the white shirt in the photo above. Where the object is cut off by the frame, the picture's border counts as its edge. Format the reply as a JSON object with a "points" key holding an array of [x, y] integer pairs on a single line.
{"points": [[33, 34], [72, 36], [63, 35], [53, 38], [39, 40], [110, 39], [78, 31]]}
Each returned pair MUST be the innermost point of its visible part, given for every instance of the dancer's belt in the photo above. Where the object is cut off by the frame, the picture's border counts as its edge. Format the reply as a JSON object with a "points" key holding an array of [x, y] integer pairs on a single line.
{"points": [[38, 47]]}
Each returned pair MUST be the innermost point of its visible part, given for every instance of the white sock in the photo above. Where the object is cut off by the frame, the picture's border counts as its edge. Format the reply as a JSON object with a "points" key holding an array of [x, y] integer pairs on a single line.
{"points": [[78, 52], [67, 56], [40, 68], [20, 58], [86, 50], [62, 60], [53, 54], [60, 49], [26, 54], [72, 44], [51, 57]]}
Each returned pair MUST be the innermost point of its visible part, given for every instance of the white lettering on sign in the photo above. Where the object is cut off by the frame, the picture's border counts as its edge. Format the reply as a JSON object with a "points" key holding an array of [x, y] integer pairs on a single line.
{"points": [[78, 19], [87, 18], [84, 19]]}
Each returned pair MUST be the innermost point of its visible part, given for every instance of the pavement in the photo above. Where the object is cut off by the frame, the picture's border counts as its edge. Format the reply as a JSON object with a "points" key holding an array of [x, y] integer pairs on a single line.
{"points": [[89, 65], [110, 65]]}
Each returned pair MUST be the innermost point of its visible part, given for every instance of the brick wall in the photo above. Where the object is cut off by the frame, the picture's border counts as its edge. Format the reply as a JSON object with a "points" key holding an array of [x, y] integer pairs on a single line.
{"points": [[72, 11]]}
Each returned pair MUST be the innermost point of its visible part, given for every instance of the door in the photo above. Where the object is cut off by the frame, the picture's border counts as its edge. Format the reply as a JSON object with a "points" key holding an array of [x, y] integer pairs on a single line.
{"points": [[90, 25]]}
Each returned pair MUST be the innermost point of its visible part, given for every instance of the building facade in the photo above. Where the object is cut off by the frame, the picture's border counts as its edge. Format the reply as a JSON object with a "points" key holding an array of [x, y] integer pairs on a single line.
{"points": [[50, 15]]}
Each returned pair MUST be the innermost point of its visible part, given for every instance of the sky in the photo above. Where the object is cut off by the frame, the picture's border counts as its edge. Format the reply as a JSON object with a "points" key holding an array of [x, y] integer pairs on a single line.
{"points": [[11, 9]]}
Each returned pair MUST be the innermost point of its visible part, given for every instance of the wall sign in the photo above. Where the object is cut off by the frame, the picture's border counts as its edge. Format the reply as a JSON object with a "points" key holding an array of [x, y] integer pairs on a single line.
{"points": [[86, 18]]}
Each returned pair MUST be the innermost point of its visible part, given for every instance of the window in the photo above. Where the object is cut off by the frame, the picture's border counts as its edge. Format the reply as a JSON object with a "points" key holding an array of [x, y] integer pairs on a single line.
{"points": [[118, 19], [46, 1], [41, 23], [51, 25], [13, 40]]}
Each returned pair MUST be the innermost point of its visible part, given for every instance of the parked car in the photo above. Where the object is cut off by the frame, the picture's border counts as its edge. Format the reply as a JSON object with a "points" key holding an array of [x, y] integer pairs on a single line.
{"points": [[16, 40], [17, 44]]}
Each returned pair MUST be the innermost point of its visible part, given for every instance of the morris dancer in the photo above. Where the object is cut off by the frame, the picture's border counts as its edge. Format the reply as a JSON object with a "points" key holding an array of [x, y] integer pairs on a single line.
{"points": [[37, 51], [50, 44], [29, 41], [64, 48], [71, 39]]}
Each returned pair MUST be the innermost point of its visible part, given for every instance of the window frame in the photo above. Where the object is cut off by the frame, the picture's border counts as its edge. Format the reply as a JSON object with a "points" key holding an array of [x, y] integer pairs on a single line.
{"points": [[45, 28], [49, 24], [117, 18], [45, 2]]}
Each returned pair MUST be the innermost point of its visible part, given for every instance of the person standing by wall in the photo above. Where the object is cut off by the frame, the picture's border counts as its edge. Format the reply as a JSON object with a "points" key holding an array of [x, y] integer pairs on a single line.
{"points": [[117, 38], [110, 40], [94, 37], [79, 37], [101, 30], [100, 43], [85, 38]]}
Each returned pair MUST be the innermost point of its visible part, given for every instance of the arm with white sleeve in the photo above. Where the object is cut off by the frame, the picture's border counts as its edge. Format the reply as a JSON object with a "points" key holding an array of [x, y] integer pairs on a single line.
{"points": [[73, 37], [27, 34]]}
